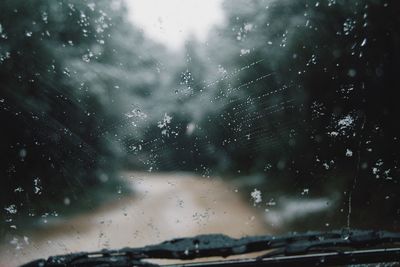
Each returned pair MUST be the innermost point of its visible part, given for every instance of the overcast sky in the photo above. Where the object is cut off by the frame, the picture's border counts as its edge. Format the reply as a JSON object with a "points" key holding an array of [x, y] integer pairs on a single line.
{"points": [[172, 21]]}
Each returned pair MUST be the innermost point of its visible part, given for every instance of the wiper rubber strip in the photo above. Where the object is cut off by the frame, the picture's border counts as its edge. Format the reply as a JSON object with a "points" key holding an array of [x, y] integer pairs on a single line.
{"points": [[334, 247]]}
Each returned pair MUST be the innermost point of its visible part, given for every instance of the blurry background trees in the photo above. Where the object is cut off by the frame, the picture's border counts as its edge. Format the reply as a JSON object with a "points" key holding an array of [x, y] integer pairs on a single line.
{"points": [[69, 70], [288, 96], [317, 110], [299, 95]]}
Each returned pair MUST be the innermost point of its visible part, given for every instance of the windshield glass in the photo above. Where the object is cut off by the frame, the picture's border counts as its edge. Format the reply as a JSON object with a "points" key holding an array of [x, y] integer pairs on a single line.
{"points": [[128, 122]]}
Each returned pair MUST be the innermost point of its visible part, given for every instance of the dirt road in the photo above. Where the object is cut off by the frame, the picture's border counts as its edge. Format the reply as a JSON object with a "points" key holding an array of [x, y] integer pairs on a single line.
{"points": [[164, 206]]}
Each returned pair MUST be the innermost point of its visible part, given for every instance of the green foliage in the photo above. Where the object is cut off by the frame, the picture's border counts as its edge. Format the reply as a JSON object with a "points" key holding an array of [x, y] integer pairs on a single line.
{"points": [[67, 76], [331, 90], [50, 150], [301, 92]]}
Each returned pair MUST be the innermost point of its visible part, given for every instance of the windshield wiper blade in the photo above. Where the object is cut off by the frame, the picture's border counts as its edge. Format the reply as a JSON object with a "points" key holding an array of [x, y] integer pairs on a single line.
{"points": [[223, 246]]}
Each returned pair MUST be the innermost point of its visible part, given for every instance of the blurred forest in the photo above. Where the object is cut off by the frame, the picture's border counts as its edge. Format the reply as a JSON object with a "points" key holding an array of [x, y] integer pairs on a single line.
{"points": [[286, 95], [69, 70]]}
